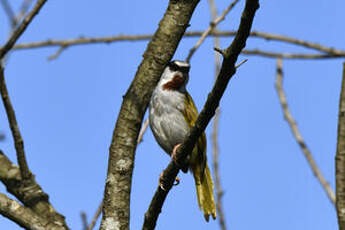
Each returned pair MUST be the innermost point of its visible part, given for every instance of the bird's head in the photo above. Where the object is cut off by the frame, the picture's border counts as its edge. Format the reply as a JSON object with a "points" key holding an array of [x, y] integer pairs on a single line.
{"points": [[175, 76]]}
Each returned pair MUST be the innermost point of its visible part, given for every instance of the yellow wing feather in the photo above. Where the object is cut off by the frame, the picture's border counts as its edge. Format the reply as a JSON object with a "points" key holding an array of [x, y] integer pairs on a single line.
{"points": [[198, 164], [199, 152]]}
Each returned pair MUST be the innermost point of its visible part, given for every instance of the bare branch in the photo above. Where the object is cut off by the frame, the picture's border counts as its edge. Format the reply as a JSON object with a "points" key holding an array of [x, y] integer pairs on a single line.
{"points": [[21, 28], [298, 136], [57, 53], [96, 216], [24, 216], [83, 41], [9, 12], [23, 9], [142, 131], [295, 41], [340, 158], [214, 135], [227, 71], [28, 192], [213, 24], [83, 217], [269, 54], [123, 145], [99, 209], [122, 38], [11, 116], [241, 63]]}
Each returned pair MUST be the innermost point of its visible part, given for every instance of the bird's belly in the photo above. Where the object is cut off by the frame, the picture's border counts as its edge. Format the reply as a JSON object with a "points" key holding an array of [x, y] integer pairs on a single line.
{"points": [[169, 128]]}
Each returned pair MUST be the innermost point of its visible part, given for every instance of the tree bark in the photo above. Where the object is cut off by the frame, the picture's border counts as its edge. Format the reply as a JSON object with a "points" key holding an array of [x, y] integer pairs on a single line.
{"points": [[28, 192], [25, 217], [340, 158]]}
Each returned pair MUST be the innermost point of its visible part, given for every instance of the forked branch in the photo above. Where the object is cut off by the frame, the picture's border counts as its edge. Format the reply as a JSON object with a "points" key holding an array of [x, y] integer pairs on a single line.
{"points": [[21, 28]]}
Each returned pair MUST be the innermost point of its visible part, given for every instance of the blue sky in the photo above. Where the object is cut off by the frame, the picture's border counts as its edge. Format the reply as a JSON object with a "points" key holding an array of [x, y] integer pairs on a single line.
{"points": [[67, 108]]}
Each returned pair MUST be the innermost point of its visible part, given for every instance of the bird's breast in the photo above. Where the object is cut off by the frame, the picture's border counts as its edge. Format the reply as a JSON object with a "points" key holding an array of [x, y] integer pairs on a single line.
{"points": [[167, 119]]}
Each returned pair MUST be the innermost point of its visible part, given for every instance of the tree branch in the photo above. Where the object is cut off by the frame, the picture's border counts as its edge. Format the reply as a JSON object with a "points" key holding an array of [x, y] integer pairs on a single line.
{"points": [[23, 9], [9, 12], [28, 192], [18, 140], [340, 158], [294, 129], [214, 135], [96, 216], [121, 38], [213, 24], [21, 28], [24, 216], [275, 55], [142, 131], [99, 209], [83, 217], [227, 71], [122, 149]]}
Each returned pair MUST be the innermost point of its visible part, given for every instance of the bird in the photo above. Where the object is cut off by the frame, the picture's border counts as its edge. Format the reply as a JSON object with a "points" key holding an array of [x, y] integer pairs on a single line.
{"points": [[172, 113]]}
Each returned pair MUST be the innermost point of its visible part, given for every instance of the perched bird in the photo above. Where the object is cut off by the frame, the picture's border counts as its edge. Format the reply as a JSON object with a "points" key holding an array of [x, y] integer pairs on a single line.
{"points": [[172, 114]]}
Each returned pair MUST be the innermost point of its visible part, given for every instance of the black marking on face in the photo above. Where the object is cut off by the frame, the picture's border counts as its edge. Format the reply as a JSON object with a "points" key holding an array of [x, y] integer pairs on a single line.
{"points": [[180, 66]]}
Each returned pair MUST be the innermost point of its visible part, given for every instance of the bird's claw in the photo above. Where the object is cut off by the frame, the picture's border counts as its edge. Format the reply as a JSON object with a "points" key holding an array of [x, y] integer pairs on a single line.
{"points": [[184, 166], [162, 182], [177, 181], [173, 154]]}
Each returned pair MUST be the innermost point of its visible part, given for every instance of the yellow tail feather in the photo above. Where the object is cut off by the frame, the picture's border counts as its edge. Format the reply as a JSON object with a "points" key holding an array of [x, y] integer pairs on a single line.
{"points": [[204, 190]]}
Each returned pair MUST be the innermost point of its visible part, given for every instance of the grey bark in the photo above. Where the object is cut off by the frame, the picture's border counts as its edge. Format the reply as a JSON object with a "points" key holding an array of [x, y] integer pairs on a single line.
{"points": [[340, 158]]}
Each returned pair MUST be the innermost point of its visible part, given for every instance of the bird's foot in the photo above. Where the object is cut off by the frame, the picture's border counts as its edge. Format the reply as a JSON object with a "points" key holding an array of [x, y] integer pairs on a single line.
{"points": [[184, 166], [162, 182], [173, 154], [177, 181]]}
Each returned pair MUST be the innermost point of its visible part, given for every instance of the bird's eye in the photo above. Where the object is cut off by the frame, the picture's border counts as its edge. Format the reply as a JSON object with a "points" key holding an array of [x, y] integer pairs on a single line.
{"points": [[173, 67], [185, 69]]}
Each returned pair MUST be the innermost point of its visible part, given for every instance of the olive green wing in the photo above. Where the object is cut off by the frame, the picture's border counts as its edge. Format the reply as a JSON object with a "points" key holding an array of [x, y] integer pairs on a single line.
{"points": [[199, 151]]}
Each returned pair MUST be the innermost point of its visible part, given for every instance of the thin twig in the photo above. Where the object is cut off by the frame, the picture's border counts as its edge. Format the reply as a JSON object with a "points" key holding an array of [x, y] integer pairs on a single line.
{"points": [[9, 12], [16, 19], [298, 136], [142, 131], [214, 135], [57, 53], [275, 55], [213, 25], [11, 116], [83, 217], [227, 71], [241, 63], [133, 38], [295, 41], [96, 216], [21, 28], [340, 158], [23, 9]]}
